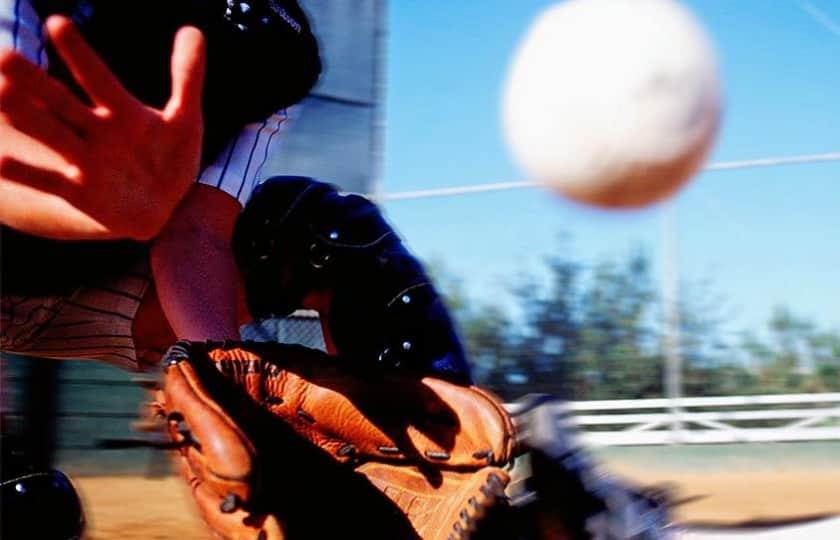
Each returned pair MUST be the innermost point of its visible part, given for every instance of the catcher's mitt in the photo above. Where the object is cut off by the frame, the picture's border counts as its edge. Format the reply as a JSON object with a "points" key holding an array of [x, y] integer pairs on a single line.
{"points": [[281, 441]]}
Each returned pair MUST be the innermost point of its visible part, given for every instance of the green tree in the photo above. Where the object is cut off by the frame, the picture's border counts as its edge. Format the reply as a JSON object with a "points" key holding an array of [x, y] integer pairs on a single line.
{"points": [[825, 348], [487, 334], [489, 340], [617, 355], [597, 333], [549, 340], [796, 356]]}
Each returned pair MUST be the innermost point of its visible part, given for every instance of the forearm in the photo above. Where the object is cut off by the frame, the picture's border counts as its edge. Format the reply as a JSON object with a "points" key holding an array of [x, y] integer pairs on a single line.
{"points": [[194, 270]]}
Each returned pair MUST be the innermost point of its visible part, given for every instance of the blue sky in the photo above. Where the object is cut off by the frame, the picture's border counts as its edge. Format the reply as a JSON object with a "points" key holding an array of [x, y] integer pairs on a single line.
{"points": [[762, 236]]}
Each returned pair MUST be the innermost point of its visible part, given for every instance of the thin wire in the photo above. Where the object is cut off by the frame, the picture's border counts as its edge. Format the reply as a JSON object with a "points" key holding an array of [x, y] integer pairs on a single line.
{"points": [[772, 161], [820, 17], [504, 186]]}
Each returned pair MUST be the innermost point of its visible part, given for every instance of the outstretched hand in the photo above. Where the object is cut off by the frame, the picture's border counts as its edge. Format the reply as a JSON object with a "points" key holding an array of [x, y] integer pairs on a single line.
{"points": [[113, 169]]}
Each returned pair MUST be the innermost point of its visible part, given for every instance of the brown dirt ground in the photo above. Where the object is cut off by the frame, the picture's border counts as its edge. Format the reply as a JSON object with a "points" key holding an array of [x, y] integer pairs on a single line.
{"points": [[132, 508], [722, 497]]}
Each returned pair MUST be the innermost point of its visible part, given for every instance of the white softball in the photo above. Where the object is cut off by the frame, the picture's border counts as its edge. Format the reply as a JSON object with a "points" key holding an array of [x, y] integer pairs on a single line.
{"points": [[614, 103]]}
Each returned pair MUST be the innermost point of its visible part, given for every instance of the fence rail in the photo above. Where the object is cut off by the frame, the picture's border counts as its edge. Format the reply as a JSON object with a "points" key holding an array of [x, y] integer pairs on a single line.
{"points": [[96, 401], [806, 417]]}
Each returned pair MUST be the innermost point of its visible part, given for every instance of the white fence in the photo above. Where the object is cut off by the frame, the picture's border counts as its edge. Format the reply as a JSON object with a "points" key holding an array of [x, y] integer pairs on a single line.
{"points": [[803, 417]]}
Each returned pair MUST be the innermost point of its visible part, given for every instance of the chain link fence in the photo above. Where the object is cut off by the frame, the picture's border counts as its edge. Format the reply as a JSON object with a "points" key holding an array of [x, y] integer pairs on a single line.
{"points": [[300, 328]]}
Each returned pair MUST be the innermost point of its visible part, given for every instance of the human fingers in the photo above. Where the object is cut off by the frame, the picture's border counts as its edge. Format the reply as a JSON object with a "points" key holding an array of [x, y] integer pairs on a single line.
{"points": [[87, 67], [33, 120], [187, 68], [40, 178], [18, 75]]}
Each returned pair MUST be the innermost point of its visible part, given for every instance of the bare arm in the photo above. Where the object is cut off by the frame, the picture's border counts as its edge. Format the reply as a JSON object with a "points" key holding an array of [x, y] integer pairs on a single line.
{"points": [[115, 169], [194, 269]]}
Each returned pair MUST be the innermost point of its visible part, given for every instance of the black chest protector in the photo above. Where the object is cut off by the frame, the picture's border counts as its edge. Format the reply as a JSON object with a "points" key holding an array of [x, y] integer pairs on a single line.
{"points": [[261, 57], [297, 235]]}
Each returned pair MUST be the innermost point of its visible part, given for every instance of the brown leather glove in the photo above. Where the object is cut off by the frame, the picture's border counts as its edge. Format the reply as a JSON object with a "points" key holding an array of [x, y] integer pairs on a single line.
{"points": [[281, 441]]}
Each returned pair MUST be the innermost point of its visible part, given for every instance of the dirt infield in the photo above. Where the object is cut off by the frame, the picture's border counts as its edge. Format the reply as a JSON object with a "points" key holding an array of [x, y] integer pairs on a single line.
{"points": [[721, 497], [134, 508], [739, 482]]}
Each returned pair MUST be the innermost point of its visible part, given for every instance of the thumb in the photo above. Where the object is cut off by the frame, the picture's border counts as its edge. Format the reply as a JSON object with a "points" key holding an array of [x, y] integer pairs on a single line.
{"points": [[187, 67]]}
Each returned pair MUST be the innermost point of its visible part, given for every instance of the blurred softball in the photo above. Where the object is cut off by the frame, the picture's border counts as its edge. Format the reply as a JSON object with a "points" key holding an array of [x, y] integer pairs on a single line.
{"points": [[614, 103]]}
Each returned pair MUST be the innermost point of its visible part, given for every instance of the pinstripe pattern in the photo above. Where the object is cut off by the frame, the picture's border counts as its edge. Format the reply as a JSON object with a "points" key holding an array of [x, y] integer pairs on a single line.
{"points": [[230, 152], [268, 144], [16, 25], [251, 157], [20, 29], [234, 171], [41, 54], [94, 322]]}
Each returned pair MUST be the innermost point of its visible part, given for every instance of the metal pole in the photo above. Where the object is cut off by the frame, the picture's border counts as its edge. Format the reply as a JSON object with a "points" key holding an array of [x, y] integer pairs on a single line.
{"points": [[671, 304]]}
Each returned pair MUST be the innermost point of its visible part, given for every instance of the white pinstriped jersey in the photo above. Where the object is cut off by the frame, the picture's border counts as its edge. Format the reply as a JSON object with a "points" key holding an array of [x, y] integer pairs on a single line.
{"points": [[236, 170]]}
